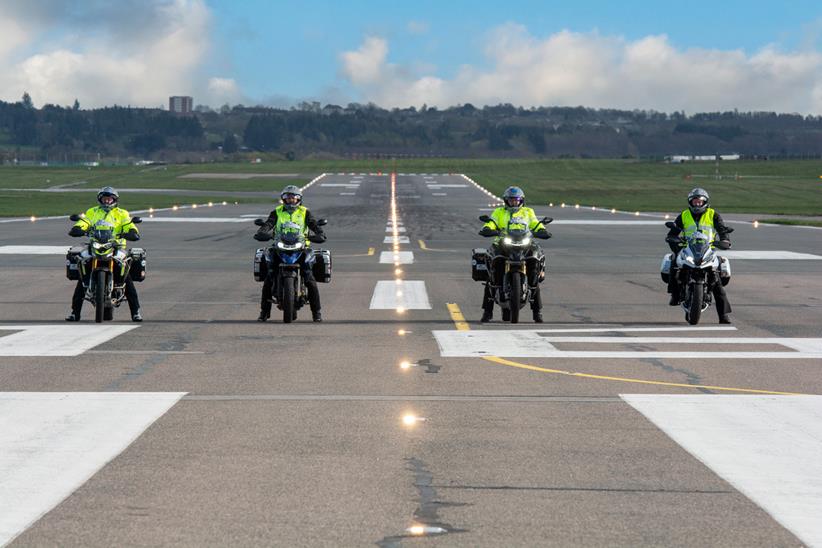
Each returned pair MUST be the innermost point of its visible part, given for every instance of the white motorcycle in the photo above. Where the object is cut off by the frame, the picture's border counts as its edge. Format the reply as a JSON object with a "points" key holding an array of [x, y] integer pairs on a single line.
{"points": [[698, 269]]}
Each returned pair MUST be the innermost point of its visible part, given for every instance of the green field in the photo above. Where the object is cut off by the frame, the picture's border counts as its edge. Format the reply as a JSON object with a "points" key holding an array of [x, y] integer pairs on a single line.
{"points": [[765, 187]]}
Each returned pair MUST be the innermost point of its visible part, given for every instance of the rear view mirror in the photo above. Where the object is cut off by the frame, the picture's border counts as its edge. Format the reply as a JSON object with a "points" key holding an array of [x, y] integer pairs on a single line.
{"points": [[136, 220], [723, 244], [259, 222], [322, 222], [485, 218], [670, 224], [546, 220], [74, 217], [728, 230]]}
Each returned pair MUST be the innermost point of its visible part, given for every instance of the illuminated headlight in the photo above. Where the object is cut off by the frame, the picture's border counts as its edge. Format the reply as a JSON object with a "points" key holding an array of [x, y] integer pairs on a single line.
{"points": [[507, 241], [298, 245], [689, 259], [526, 241], [97, 245]]}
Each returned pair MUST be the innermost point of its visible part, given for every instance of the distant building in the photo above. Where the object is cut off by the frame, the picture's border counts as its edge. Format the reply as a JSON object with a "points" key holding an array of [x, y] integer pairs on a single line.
{"points": [[181, 104]]}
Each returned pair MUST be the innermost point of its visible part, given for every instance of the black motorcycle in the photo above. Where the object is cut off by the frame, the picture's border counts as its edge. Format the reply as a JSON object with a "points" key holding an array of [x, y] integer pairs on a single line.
{"points": [[514, 255], [103, 267], [288, 289]]}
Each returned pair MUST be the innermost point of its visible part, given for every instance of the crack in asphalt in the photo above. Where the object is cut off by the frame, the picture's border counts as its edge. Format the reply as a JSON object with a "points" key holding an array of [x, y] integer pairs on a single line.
{"points": [[426, 513]]}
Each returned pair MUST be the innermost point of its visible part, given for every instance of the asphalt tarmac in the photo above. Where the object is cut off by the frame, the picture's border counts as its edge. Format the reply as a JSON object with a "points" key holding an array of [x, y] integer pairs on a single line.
{"points": [[294, 435]]}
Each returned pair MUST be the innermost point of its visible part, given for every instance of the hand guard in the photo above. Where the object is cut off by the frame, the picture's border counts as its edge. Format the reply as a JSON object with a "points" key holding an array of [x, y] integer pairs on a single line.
{"points": [[131, 236], [76, 232], [262, 236], [542, 234], [317, 238], [485, 231]]}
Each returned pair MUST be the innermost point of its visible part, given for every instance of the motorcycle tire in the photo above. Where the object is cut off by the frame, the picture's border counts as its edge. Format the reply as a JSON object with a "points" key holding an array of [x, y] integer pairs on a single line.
{"points": [[100, 296], [695, 304], [289, 300], [515, 296]]}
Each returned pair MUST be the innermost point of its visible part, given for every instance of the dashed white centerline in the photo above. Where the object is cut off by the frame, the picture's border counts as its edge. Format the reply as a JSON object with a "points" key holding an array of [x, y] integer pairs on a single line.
{"points": [[400, 294], [397, 240], [401, 257]]}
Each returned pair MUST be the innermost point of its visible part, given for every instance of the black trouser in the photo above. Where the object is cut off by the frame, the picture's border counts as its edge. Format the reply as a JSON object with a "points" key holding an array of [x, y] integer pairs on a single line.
{"points": [[532, 273], [308, 278], [723, 305], [80, 292]]}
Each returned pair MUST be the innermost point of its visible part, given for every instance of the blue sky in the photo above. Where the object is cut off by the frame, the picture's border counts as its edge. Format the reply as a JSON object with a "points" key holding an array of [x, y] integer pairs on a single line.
{"points": [[629, 54]]}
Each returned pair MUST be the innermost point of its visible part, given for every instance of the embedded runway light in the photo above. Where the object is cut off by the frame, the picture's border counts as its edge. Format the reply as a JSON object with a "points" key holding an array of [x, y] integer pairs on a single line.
{"points": [[405, 364], [193, 206], [33, 218], [593, 208], [402, 332], [420, 530], [576, 206], [225, 203], [398, 271], [151, 210], [175, 208], [667, 216], [400, 310], [756, 224], [562, 205], [399, 293], [411, 420], [551, 204], [636, 214], [613, 211], [210, 204]]}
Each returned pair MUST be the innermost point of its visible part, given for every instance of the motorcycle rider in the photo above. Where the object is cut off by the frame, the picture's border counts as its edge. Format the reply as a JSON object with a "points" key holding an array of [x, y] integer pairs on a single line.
{"points": [[698, 217], [291, 210], [108, 211], [513, 207]]}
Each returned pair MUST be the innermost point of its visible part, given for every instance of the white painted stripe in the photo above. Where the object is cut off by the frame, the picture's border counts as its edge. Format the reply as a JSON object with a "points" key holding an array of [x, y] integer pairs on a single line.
{"points": [[345, 185], [767, 447], [402, 257], [439, 194], [195, 219], [57, 340], [252, 215], [770, 255], [399, 240], [391, 228], [531, 344], [634, 329], [348, 193], [51, 443], [441, 185], [33, 249], [412, 296], [398, 223]]}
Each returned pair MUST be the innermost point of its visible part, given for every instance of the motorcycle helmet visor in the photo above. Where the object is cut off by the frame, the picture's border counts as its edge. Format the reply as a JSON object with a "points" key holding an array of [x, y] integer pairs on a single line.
{"points": [[291, 199], [698, 201]]}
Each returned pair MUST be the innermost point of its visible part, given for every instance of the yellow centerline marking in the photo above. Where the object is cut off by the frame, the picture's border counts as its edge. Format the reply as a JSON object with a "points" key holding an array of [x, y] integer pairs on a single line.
{"points": [[423, 246], [462, 325], [371, 251]]}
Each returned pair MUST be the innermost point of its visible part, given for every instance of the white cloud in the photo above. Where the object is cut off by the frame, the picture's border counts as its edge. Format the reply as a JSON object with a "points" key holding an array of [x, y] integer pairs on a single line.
{"points": [[221, 91], [107, 58], [570, 69]]}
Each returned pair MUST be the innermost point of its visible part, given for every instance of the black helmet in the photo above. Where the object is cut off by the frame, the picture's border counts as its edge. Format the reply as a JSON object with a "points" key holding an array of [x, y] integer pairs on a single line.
{"points": [[698, 201], [287, 196], [108, 191], [513, 197]]}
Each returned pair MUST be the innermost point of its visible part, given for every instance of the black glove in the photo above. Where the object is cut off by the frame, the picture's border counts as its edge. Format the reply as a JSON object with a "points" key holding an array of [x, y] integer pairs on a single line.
{"points": [[262, 236], [723, 244], [131, 236], [486, 231], [76, 231], [317, 238], [542, 234]]}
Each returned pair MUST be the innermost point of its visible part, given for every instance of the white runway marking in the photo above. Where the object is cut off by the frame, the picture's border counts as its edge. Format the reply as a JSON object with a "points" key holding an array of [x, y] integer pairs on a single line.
{"points": [[439, 186], [391, 228], [56, 340], [390, 295], [33, 249], [196, 219], [767, 447], [348, 193], [770, 255], [252, 215], [439, 194], [344, 185], [51, 443], [402, 257], [532, 344], [399, 240]]}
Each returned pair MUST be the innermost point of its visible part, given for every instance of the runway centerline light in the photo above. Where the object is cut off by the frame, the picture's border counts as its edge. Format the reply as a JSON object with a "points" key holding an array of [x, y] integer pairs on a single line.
{"points": [[33, 218], [405, 364], [411, 420], [398, 271]]}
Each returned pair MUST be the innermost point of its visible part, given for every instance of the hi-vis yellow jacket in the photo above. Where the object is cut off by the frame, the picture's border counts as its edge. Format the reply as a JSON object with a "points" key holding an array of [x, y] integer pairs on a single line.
{"points": [[119, 219]]}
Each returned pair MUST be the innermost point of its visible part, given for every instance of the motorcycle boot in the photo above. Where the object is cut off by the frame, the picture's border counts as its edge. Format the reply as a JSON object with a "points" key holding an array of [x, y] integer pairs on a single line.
{"points": [[536, 305], [725, 319], [314, 300], [73, 317], [133, 301], [137, 316], [487, 305]]}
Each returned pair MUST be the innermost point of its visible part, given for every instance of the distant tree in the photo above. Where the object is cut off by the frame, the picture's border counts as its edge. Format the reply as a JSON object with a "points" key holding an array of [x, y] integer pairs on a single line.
{"points": [[230, 145], [26, 100], [76, 106]]}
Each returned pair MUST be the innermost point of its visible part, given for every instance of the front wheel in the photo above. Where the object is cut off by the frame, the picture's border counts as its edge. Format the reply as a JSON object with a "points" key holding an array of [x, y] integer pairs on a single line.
{"points": [[695, 304], [100, 296], [289, 298], [515, 296]]}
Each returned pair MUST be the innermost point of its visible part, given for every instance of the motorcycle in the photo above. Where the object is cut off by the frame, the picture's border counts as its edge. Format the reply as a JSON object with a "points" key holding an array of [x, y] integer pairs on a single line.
{"points": [[517, 252], [698, 269], [103, 266], [288, 289]]}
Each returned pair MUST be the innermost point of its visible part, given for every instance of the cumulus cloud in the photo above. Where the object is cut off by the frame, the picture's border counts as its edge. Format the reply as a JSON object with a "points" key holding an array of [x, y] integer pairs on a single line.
{"points": [[104, 53], [570, 69]]}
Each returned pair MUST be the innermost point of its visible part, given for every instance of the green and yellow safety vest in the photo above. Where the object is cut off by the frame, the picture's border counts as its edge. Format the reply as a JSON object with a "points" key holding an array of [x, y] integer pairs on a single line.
{"points": [[705, 225], [502, 218], [118, 218]]}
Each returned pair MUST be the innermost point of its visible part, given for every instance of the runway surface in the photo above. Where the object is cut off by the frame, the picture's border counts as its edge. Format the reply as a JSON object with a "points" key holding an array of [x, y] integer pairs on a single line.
{"points": [[614, 423]]}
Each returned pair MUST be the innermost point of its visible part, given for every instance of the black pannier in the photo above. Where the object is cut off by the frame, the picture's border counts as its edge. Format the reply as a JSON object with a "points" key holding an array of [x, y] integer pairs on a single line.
{"points": [[479, 265], [73, 260], [320, 262], [138, 264], [260, 265]]}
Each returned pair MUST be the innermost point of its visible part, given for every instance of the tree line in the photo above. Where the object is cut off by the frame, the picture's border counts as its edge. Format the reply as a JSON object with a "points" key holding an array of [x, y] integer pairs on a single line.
{"points": [[464, 130]]}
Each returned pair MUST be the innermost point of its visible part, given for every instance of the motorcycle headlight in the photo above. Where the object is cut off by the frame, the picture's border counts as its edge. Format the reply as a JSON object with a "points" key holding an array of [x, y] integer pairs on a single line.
{"points": [[507, 241], [281, 245], [526, 241], [689, 259], [98, 245]]}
